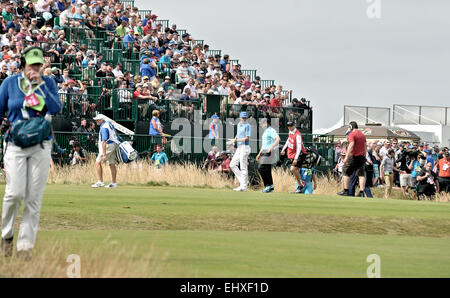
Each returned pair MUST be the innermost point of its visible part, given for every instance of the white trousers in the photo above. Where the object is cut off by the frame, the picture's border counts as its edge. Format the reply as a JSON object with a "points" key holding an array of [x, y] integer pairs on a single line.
{"points": [[241, 158], [26, 176]]}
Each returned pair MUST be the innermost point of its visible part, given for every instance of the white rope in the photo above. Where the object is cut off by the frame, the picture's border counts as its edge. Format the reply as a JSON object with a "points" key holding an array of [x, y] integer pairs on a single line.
{"points": [[364, 116], [419, 115]]}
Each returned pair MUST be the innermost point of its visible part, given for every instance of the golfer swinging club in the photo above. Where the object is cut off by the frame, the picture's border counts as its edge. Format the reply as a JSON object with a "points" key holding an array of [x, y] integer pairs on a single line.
{"points": [[28, 97], [240, 158]]}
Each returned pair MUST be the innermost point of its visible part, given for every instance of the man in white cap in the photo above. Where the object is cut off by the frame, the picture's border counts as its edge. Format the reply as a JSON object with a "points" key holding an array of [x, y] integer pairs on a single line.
{"points": [[108, 145]]}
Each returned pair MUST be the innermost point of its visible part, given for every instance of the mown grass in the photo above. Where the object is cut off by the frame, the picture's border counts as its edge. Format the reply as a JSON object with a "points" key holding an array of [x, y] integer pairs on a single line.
{"points": [[188, 232]]}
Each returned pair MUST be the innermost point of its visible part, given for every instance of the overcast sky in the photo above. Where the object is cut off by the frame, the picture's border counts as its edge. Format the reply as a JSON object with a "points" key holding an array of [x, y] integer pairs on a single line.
{"points": [[329, 51]]}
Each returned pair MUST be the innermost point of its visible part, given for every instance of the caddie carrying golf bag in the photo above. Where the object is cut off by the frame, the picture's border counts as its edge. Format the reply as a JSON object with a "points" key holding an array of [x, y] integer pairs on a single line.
{"points": [[126, 153]]}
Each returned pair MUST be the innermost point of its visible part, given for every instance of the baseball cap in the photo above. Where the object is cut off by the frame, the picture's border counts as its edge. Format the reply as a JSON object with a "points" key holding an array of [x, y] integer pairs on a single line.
{"points": [[167, 78], [71, 82], [215, 117], [28, 38], [34, 56], [145, 78], [161, 89], [243, 115], [100, 117], [290, 124]]}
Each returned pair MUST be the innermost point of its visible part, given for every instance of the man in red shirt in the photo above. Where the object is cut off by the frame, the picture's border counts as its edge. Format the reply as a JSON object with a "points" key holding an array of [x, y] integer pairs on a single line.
{"points": [[296, 153], [355, 159], [443, 168]]}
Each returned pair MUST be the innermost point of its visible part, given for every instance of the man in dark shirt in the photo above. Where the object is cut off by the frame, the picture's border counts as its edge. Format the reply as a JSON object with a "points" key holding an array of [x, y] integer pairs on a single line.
{"points": [[3, 73], [83, 126], [102, 72], [355, 159]]}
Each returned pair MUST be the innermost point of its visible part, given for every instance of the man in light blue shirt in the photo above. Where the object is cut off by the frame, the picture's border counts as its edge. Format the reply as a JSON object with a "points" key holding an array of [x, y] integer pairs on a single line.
{"points": [[240, 158], [270, 141]]}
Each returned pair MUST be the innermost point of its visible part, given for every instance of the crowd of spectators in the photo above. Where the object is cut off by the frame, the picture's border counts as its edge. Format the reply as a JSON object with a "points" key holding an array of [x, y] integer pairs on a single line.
{"points": [[415, 166], [173, 66]]}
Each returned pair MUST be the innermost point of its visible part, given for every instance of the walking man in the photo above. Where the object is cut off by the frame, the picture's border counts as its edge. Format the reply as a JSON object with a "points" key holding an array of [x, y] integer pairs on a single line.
{"points": [[355, 159], [296, 153], [270, 141], [108, 145], [240, 158]]}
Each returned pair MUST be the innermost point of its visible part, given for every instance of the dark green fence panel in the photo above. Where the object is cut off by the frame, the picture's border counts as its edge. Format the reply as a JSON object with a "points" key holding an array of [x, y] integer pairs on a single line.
{"points": [[164, 23], [249, 72], [303, 117], [144, 12], [125, 108], [128, 3], [133, 66], [267, 83], [215, 52]]}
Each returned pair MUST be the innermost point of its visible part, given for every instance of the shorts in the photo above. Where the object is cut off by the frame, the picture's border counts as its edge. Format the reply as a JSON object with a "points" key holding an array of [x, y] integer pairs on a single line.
{"points": [[300, 161], [406, 180], [111, 158], [376, 171], [355, 164]]}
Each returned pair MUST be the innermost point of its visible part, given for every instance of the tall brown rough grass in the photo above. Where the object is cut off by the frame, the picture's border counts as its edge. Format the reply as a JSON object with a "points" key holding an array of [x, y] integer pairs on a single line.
{"points": [[189, 175], [106, 260]]}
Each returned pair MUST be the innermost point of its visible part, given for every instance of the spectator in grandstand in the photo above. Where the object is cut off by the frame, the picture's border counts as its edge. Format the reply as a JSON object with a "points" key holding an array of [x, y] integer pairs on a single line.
{"points": [[166, 84], [148, 69], [78, 155], [296, 153], [243, 151], [214, 130], [428, 183], [443, 169], [355, 159], [83, 126], [108, 146], [3, 73], [117, 70], [159, 158], [156, 128], [270, 141]]}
